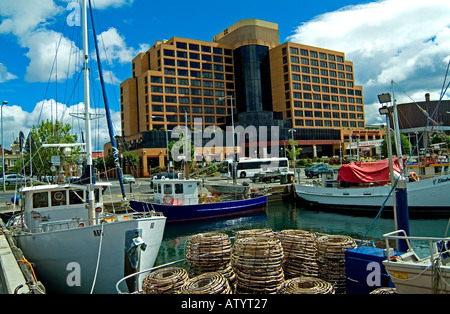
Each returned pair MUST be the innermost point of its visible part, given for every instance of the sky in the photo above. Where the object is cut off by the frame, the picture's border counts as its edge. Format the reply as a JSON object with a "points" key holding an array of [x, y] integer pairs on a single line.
{"points": [[404, 41]]}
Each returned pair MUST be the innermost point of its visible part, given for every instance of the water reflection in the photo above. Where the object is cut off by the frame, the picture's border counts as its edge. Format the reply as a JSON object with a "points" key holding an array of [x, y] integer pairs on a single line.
{"points": [[280, 215]]}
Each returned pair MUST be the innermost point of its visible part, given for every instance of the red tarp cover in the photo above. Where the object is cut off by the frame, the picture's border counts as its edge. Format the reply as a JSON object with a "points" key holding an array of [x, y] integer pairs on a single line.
{"points": [[365, 172]]}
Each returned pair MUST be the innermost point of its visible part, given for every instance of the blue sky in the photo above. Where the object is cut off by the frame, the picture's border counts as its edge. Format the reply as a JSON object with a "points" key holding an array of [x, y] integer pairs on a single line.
{"points": [[407, 41]]}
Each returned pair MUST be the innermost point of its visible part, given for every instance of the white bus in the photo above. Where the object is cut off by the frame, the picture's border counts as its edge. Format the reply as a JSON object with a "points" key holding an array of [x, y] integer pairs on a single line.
{"points": [[249, 167]]}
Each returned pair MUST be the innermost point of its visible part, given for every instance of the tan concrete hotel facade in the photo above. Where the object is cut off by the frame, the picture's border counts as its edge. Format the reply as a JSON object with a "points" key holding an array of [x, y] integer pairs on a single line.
{"points": [[290, 85]]}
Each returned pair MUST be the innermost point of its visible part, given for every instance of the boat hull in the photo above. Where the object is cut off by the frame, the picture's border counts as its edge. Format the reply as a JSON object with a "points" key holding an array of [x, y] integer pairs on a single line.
{"points": [[227, 188], [413, 278], [426, 197], [177, 213], [66, 260]]}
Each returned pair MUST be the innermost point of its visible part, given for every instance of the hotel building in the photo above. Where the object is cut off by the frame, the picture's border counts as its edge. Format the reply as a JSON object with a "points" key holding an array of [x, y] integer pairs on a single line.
{"points": [[309, 89]]}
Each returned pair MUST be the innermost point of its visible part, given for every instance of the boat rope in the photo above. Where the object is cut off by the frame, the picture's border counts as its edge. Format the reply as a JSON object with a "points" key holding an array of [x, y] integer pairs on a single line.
{"points": [[24, 260], [98, 260]]}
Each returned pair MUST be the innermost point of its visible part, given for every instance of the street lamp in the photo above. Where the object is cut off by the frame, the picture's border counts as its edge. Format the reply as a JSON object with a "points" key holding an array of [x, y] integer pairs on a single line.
{"points": [[293, 147], [3, 150], [167, 141], [232, 133]]}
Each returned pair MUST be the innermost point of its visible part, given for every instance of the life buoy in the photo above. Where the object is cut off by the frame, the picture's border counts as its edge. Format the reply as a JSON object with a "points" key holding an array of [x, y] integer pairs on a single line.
{"points": [[413, 176], [168, 199]]}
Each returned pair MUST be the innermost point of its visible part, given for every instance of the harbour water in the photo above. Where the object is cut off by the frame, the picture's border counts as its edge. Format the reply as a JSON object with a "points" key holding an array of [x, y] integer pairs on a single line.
{"points": [[280, 215]]}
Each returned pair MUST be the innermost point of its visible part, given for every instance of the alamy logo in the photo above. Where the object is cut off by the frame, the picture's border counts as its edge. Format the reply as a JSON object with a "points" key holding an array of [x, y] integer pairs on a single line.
{"points": [[74, 277], [374, 277], [74, 17]]}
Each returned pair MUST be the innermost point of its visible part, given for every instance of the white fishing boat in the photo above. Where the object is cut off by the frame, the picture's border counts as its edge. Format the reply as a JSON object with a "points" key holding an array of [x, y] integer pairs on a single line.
{"points": [[370, 192], [414, 275], [73, 245]]}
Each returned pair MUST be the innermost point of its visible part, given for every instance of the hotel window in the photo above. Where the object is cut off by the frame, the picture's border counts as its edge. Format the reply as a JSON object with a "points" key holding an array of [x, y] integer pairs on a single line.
{"points": [[315, 71], [327, 123], [195, 65], [313, 54], [172, 118], [323, 64], [317, 114], [207, 83], [208, 92], [298, 113], [295, 86], [304, 61], [183, 109], [228, 52], [209, 119], [156, 89], [209, 101], [183, 100], [183, 90], [298, 104], [193, 55], [195, 74], [183, 82], [309, 123], [157, 108], [182, 54], [298, 122], [183, 72], [331, 57], [196, 101], [155, 79], [196, 91], [194, 47], [297, 95], [327, 114], [171, 108], [171, 99], [206, 66], [308, 114], [317, 105], [335, 115], [318, 123], [295, 68], [206, 49], [181, 45], [345, 124], [169, 53], [304, 52], [218, 67], [206, 58], [336, 124], [322, 56], [219, 85], [218, 76], [340, 59], [295, 59], [196, 109], [157, 98], [170, 90], [293, 50], [169, 62], [217, 50], [218, 59], [209, 110]]}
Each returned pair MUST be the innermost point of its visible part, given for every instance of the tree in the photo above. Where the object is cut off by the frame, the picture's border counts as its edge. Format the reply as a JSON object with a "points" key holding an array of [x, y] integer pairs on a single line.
{"points": [[404, 143], [290, 151], [47, 132]]}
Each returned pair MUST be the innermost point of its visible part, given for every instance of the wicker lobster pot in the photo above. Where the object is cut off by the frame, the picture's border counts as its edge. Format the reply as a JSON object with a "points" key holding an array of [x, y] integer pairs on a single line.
{"points": [[207, 283], [257, 262], [331, 259], [208, 252], [300, 253], [306, 285], [165, 280]]}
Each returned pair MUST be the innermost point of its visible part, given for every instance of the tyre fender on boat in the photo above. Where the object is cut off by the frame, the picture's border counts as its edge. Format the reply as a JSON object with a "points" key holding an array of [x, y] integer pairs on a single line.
{"points": [[168, 199]]}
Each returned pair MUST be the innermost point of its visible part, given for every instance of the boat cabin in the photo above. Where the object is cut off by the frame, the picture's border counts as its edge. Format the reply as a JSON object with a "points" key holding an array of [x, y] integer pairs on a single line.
{"points": [[176, 191], [56, 207]]}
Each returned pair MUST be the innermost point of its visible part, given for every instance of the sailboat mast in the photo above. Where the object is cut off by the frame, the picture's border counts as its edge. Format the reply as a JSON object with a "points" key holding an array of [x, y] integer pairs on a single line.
{"points": [[89, 167]]}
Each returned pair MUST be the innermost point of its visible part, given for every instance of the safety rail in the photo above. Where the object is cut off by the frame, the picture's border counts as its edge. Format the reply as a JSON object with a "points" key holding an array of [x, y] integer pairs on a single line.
{"points": [[394, 236]]}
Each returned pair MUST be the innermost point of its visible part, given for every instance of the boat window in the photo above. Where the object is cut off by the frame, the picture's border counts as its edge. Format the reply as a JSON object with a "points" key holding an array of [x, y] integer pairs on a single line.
{"points": [[76, 197], [167, 188], [178, 188], [159, 187], [58, 198], [40, 200]]}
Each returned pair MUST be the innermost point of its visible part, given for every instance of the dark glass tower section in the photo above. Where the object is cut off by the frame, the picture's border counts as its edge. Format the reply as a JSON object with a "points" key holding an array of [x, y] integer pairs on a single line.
{"points": [[252, 79]]}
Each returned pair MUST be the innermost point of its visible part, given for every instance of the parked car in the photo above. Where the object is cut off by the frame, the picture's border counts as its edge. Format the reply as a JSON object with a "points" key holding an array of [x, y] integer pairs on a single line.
{"points": [[128, 178], [317, 169], [267, 176], [13, 179]]}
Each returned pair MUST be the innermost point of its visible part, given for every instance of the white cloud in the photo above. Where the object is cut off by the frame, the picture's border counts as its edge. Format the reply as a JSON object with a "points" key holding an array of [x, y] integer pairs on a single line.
{"points": [[15, 119], [116, 48], [43, 45], [5, 75], [105, 4], [404, 41]]}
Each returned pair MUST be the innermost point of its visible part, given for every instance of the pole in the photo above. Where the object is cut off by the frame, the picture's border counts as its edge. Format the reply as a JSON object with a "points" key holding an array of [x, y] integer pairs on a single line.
{"points": [[402, 213], [3, 150], [234, 147], [391, 164], [91, 196]]}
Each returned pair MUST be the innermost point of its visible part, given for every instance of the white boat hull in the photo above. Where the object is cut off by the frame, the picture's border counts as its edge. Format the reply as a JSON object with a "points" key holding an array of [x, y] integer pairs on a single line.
{"points": [[418, 278], [66, 260], [424, 196]]}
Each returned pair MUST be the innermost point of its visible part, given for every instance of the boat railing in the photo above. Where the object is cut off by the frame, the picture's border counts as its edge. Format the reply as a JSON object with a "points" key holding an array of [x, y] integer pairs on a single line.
{"points": [[401, 235], [64, 224]]}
